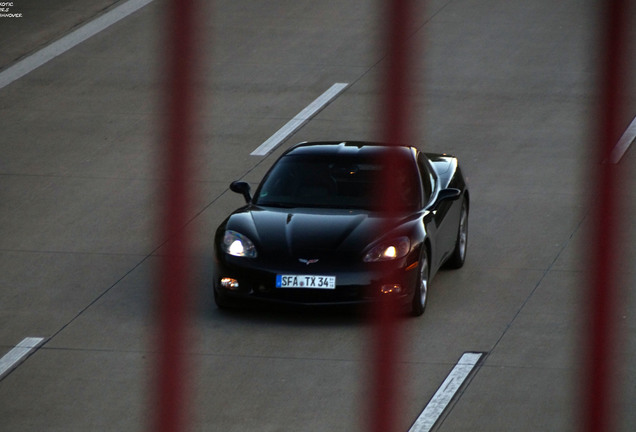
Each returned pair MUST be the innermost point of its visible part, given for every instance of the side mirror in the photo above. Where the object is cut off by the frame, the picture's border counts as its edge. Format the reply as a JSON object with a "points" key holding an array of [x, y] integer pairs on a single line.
{"points": [[449, 194], [243, 188]]}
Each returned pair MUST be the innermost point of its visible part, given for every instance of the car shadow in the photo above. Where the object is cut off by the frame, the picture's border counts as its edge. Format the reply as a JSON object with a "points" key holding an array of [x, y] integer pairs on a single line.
{"points": [[294, 315]]}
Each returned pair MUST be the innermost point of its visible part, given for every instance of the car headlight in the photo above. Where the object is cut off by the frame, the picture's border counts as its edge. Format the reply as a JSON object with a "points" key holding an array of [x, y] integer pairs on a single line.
{"points": [[236, 244], [388, 250]]}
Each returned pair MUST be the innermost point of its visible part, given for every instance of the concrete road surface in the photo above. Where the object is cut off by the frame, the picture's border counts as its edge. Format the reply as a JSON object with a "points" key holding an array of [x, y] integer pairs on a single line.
{"points": [[507, 86]]}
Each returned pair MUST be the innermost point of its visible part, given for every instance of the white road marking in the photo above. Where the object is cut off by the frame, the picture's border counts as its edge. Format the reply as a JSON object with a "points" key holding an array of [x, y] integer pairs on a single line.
{"points": [[623, 144], [445, 393], [301, 118], [67, 42], [11, 359]]}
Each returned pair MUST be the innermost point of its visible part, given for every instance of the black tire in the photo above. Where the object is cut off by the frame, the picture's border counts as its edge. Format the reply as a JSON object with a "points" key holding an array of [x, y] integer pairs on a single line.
{"points": [[457, 259], [420, 295]]}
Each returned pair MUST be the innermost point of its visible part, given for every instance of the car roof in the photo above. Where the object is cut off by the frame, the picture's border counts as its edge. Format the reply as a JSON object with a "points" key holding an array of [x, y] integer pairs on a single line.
{"points": [[358, 148]]}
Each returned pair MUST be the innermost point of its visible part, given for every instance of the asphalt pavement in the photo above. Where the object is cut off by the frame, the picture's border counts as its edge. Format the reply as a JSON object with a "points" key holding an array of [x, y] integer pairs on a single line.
{"points": [[509, 87]]}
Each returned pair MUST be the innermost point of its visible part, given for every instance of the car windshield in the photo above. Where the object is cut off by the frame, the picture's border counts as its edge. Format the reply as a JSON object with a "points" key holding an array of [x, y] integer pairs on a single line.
{"points": [[336, 181]]}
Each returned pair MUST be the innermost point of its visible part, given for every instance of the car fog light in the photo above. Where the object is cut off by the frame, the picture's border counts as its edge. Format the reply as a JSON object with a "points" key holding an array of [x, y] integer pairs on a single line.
{"points": [[229, 283], [391, 288]]}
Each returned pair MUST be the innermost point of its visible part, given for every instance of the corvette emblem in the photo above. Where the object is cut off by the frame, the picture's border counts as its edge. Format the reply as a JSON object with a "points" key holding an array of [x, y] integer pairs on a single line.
{"points": [[308, 261]]}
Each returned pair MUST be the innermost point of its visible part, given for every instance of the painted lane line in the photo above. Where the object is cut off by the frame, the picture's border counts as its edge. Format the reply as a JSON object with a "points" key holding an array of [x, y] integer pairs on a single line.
{"points": [[18, 354], [445, 393], [67, 42], [300, 119], [623, 144]]}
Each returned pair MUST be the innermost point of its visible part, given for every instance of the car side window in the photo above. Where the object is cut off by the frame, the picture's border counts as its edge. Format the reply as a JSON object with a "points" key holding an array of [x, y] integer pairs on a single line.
{"points": [[426, 176]]}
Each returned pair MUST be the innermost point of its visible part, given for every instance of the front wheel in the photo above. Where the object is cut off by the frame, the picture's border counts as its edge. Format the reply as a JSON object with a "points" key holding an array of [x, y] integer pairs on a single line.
{"points": [[421, 288]]}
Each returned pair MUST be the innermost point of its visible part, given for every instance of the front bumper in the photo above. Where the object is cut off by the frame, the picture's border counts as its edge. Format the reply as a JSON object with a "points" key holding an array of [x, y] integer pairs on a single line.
{"points": [[355, 284]]}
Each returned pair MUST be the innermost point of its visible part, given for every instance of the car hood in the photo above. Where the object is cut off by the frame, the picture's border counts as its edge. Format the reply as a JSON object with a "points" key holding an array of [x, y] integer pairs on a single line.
{"points": [[307, 233]]}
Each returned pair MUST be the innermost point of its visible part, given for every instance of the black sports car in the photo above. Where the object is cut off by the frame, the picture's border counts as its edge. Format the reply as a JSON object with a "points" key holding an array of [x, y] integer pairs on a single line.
{"points": [[315, 233]]}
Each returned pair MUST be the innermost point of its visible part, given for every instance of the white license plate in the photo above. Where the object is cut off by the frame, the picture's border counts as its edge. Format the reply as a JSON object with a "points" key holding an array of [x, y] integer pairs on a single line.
{"points": [[305, 281]]}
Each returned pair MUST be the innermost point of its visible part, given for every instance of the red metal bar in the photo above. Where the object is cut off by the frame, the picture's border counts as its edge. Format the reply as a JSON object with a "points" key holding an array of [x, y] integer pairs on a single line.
{"points": [[170, 393], [397, 85], [598, 414], [395, 122]]}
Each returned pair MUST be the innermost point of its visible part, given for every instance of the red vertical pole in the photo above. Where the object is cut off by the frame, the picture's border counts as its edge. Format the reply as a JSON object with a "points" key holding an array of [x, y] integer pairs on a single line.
{"points": [[395, 122], [173, 297], [604, 286], [396, 101]]}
